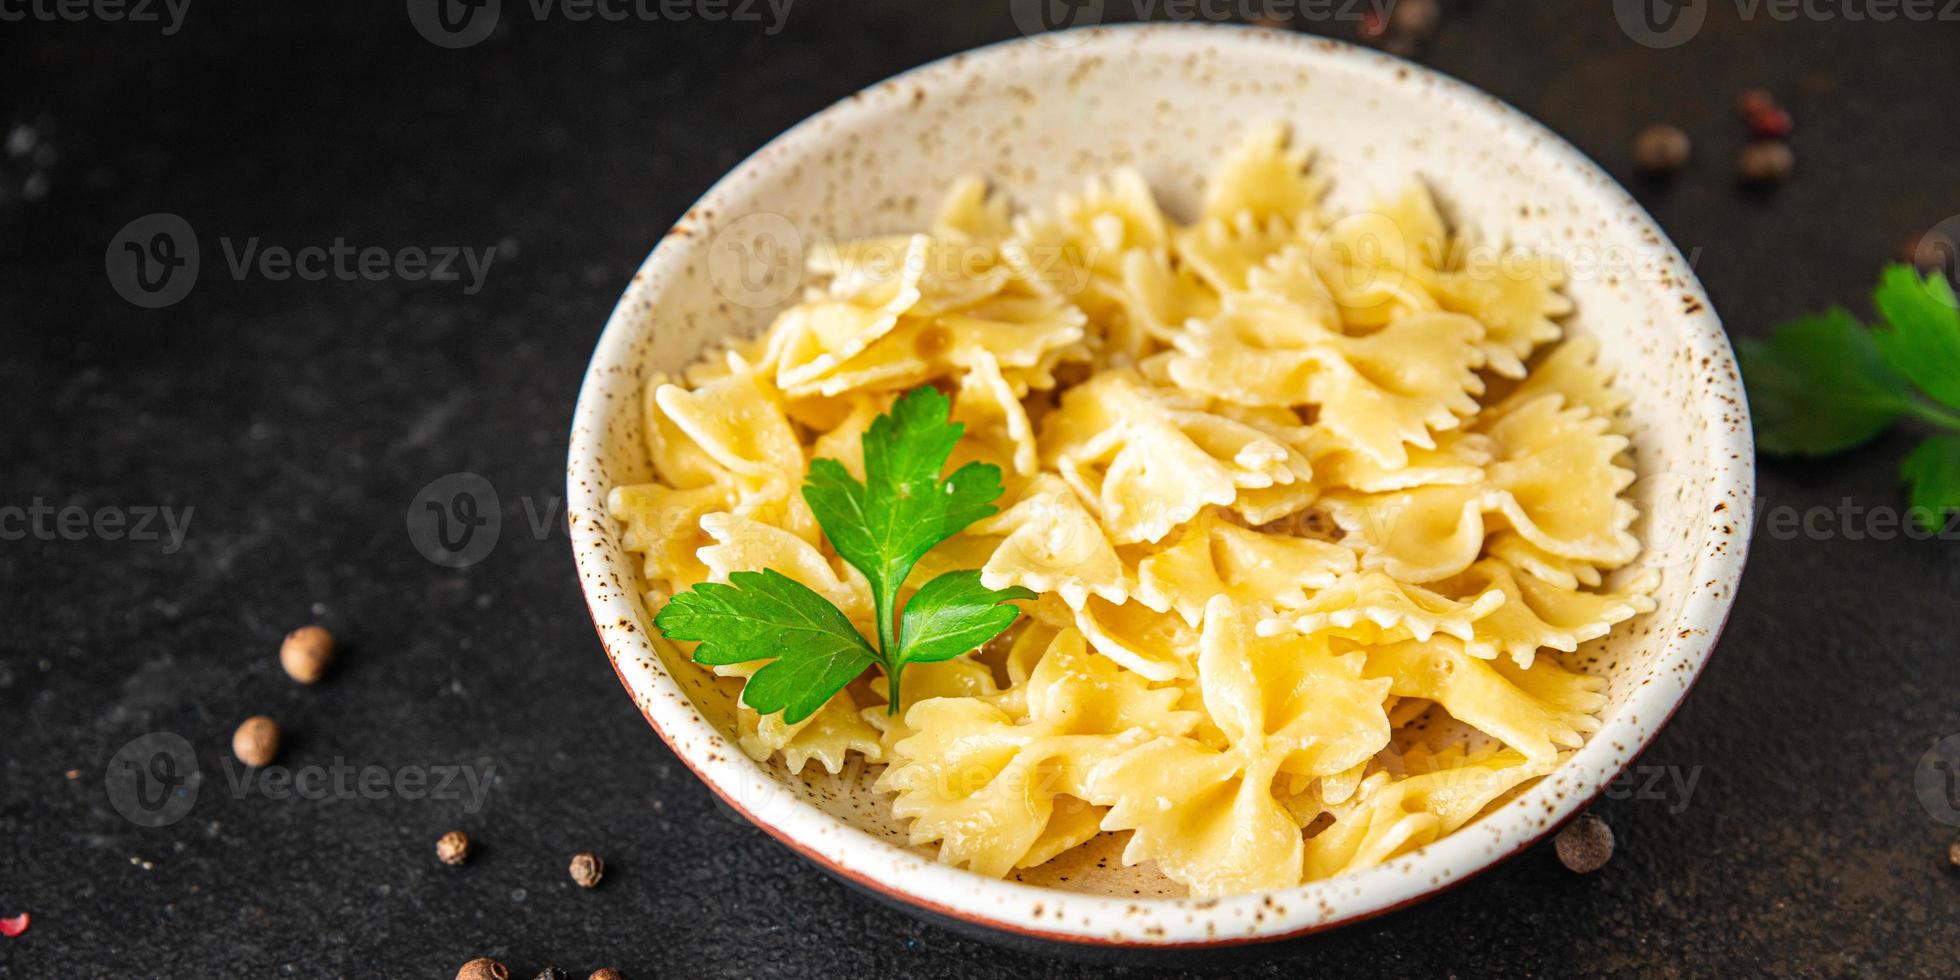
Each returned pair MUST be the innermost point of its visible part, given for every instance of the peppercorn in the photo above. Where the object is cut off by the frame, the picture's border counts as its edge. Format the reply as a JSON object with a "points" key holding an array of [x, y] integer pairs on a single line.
{"points": [[606, 974], [1772, 123], [1373, 28], [1585, 845], [1753, 101], [306, 653], [256, 742], [453, 848], [483, 968], [1416, 18], [1661, 149], [1765, 162], [587, 869], [1953, 853]]}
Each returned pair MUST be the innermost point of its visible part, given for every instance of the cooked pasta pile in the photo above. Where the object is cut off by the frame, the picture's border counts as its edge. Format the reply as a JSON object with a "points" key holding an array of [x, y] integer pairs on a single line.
{"points": [[1284, 483]]}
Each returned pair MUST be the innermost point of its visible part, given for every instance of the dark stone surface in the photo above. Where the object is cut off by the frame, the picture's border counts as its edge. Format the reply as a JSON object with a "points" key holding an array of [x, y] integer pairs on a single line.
{"points": [[298, 419]]}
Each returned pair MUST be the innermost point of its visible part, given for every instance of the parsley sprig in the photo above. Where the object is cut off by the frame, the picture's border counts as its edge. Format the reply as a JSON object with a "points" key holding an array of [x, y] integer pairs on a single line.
{"points": [[882, 526], [1826, 383]]}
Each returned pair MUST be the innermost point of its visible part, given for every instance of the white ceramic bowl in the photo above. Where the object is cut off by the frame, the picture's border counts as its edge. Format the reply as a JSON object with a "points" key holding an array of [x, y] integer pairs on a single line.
{"points": [[1035, 117]]}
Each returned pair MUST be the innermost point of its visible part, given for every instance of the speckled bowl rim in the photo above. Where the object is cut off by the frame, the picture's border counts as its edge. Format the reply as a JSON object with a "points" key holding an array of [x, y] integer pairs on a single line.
{"points": [[1041, 913]]}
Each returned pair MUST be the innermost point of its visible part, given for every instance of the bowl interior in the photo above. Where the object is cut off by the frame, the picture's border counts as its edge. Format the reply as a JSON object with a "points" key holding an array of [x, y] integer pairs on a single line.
{"points": [[1034, 119]]}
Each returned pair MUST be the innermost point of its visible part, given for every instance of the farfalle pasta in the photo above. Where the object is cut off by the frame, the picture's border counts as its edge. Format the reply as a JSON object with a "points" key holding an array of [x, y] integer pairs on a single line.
{"points": [[1293, 489]]}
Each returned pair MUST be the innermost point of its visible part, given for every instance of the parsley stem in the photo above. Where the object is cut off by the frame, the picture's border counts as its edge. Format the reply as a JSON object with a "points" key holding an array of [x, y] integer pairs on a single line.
{"points": [[887, 643], [1927, 412]]}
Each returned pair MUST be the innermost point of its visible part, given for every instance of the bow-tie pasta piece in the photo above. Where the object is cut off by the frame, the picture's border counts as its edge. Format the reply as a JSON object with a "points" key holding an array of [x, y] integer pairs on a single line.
{"points": [[1212, 819], [1258, 350], [938, 275], [1573, 370], [1565, 573], [1377, 263], [1157, 301], [1156, 645], [1224, 252], [1388, 817], [1458, 459], [997, 427], [960, 677], [1052, 543], [1266, 177], [1147, 465], [970, 213], [1538, 614], [985, 785], [828, 736], [1370, 607], [1554, 476], [1084, 239], [1026, 333], [738, 422], [663, 525], [874, 283], [1517, 299], [743, 545], [1389, 389], [1256, 570], [1560, 482], [1288, 276], [1418, 535], [1536, 710]]}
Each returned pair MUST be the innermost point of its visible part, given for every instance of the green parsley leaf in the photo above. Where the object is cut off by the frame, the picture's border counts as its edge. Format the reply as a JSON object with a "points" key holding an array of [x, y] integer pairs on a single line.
{"points": [[882, 526], [952, 614], [1818, 386], [1823, 384], [1923, 342], [763, 615], [1933, 472]]}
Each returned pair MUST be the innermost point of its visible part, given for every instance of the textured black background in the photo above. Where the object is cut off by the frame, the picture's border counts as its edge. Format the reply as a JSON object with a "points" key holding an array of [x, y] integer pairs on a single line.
{"points": [[299, 419]]}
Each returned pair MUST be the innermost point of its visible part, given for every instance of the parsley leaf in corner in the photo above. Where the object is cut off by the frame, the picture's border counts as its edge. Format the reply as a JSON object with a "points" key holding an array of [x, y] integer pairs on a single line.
{"points": [[1933, 471], [1819, 386], [882, 526], [1922, 336], [1824, 384]]}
